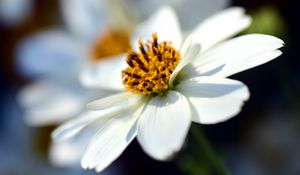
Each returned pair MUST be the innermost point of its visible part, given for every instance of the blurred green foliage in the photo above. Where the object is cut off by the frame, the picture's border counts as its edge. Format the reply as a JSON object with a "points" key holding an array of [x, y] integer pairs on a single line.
{"points": [[267, 20]]}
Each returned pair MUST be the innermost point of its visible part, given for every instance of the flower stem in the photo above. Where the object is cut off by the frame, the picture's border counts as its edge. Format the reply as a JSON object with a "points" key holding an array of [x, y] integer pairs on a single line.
{"points": [[202, 160]]}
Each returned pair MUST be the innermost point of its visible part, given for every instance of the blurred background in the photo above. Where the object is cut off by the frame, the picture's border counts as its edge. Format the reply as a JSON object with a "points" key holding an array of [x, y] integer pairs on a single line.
{"points": [[264, 139]]}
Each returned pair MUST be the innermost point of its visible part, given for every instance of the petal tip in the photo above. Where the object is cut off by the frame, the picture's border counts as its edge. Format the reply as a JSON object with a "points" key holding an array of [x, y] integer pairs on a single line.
{"points": [[55, 135], [91, 106], [84, 164], [247, 20]]}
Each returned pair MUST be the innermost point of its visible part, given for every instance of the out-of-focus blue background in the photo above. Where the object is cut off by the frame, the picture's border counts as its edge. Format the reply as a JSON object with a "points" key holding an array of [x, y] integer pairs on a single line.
{"points": [[264, 139]]}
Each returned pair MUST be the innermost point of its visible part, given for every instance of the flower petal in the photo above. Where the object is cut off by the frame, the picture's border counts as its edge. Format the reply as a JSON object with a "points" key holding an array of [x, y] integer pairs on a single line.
{"points": [[49, 102], [69, 152], [84, 18], [63, 154], [221, 26], [72, 127], [189, 52], [51, 53], [113, 100], [106, 74], [110, 141], [165, 23], [214, 99], [236, 55], [164, 124]]}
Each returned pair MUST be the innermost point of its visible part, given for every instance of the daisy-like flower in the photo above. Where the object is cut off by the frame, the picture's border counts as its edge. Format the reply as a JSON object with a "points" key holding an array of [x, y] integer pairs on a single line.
{"points": [[166, 83], [98, 30]]}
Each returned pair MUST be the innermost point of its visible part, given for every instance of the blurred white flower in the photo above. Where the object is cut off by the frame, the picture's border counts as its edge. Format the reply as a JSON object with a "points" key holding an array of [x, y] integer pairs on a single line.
{"points": [[54, 58], [13, 12], [168, 83]]}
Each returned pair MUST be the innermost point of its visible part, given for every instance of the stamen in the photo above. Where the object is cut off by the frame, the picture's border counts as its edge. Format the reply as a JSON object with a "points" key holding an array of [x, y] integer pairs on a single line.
{"points": [[129, 62], [149, 70], [141, 47], [154, 36]]}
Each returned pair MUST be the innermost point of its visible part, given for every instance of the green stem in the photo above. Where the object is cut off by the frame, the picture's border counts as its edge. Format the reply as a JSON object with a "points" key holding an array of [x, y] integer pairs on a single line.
{"points": [[207, 148], [202, 160]]}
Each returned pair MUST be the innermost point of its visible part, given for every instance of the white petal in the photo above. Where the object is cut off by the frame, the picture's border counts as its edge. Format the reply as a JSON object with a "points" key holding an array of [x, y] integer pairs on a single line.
{"points": [[189, 52], [237, 55], [113, 100], [164, 124], [221, 26], [106, 74], [51, 53], [214, 99], [51, 102], [72, 127], [121, 15], [64, 154], [84, 18], [70, 151], [165, 23], [109, 142]]}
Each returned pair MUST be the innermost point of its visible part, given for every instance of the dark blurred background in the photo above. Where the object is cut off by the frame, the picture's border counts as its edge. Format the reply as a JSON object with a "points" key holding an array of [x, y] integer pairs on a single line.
{"points": [[264, 139]]}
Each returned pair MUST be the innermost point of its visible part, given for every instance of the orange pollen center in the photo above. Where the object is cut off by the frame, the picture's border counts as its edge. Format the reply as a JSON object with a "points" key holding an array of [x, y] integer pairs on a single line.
{"points": [[110, 43], [150, 69]]}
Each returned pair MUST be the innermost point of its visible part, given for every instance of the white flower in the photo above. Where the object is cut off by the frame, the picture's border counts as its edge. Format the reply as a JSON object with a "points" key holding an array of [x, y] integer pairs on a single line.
{"points": [[164, 96], [54, 58], [158, 106]]}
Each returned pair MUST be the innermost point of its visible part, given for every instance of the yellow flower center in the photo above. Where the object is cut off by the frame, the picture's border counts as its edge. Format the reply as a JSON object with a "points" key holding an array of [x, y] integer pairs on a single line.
{"points": [[112, 42], [150, 69]]}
